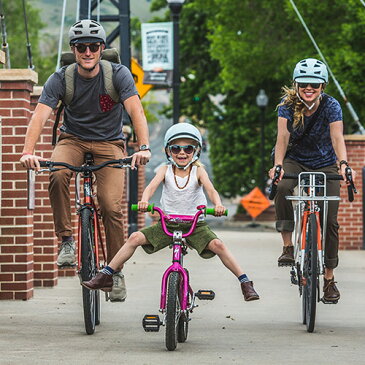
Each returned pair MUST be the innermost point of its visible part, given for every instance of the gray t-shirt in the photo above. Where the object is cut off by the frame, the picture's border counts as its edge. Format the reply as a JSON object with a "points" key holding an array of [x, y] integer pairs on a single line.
{"points": [[92, 114]]}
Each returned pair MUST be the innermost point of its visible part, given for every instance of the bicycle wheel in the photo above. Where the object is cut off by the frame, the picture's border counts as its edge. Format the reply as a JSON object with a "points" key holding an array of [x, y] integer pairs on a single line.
{"points": [[172, 311], [183, 324], [311, 274], [88, 271]]}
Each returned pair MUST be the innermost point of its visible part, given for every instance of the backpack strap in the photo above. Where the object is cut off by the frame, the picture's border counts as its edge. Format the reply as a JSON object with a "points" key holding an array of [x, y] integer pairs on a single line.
{"points": [[70, 83], [108, 80]]}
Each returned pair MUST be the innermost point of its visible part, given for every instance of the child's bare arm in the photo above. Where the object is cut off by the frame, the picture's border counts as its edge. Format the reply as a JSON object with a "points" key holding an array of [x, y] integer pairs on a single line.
{"points": [[212, 193], [151, 188]]}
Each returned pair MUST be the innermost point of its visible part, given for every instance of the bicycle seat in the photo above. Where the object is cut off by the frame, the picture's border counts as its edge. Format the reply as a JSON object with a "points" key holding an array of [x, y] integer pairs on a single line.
{"points": [[89, 158]]}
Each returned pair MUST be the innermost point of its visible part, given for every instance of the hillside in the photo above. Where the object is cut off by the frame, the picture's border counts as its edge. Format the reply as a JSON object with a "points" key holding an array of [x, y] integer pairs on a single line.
{"points": [[51, 13]]}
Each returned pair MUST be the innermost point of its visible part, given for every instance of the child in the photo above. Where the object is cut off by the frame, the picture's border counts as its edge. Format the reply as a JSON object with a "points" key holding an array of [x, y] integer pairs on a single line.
{"points": [[183, 181]]}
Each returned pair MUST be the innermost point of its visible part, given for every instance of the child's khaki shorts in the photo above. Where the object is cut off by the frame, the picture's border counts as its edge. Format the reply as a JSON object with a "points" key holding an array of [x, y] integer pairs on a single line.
{"points": [[198, 240]]}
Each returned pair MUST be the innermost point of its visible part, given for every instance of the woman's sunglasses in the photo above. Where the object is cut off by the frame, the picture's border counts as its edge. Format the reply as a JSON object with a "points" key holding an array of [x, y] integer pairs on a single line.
{"points": [[175, 149], [81, 48], [303, 85]]}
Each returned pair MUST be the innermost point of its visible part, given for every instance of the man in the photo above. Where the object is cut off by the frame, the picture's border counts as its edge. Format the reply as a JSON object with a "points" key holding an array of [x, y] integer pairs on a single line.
{"points": [[92, 123]]}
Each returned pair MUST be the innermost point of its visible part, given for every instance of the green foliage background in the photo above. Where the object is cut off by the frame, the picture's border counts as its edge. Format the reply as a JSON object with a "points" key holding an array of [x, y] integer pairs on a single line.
{"points": [[234, 48], [237, 47]]}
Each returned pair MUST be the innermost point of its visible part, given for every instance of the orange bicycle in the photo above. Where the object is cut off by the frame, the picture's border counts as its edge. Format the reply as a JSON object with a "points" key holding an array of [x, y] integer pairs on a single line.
{"points": [[309, 235], [89, 233]]}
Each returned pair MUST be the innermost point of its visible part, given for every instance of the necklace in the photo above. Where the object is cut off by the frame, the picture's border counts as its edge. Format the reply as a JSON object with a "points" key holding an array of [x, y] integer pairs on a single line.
{"points": [[187, 181]]}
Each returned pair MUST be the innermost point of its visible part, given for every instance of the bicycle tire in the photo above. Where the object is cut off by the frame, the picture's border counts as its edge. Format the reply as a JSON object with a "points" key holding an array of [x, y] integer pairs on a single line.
{"points": [[172, 310], [88, 271], [311, 273], [183, 324]]}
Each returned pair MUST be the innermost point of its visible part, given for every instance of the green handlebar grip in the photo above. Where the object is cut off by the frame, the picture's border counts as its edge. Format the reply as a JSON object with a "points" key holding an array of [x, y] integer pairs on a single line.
{"points": [[134, 207], [211, 211]]}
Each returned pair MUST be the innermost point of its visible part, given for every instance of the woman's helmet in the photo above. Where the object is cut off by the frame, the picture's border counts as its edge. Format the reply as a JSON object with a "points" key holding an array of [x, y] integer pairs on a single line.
{"points": [[310, 70], [87, 31], [183, 130]]}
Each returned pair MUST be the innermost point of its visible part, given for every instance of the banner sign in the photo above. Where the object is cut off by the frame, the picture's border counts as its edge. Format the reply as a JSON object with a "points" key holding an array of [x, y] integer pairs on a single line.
{"points": [[157, 53]]}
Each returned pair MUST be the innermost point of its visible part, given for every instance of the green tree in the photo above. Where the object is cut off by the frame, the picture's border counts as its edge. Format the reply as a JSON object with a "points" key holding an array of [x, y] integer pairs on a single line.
{"points": [[237, 47], [15, 28]]}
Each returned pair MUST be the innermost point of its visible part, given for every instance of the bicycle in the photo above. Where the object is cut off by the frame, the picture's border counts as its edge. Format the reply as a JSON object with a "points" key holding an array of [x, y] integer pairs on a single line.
{"points": [[89, 232], [177, 299], [309, 237]]}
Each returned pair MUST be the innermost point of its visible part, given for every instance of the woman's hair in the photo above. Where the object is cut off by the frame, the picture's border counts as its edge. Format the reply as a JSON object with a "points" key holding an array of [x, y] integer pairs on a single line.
{"points": [[291, 99]]}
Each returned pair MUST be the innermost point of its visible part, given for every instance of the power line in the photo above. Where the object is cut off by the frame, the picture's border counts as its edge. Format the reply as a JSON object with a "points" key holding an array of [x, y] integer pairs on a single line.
{"points": [[348, 104], [61, 35]]}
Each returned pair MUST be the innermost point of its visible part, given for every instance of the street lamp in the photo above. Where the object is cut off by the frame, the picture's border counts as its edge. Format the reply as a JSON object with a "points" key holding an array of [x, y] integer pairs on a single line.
{"points": [[262, 101], [175, 7]]}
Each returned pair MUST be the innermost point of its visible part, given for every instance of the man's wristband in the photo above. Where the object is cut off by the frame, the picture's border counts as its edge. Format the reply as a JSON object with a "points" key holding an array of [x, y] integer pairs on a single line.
{"points": [[27, 153], [344, 162]]}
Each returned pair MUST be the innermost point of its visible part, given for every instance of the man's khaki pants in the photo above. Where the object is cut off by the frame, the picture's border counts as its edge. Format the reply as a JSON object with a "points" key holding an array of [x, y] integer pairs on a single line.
{"points": [[110, 187]]}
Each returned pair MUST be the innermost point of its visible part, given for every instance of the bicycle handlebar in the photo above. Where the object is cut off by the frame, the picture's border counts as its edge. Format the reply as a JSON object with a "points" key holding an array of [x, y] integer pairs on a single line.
{"points": [[351, 189], [52, 166], [201, 210], [151, 207]]}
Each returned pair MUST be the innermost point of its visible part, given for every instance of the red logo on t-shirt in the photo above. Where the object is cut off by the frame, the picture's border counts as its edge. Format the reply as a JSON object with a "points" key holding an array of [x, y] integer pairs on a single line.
{"points": [[106, 103]]}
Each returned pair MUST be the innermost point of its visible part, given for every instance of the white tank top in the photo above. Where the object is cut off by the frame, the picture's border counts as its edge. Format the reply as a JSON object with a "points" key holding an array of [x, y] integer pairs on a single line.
{"points": [[181, 201]]}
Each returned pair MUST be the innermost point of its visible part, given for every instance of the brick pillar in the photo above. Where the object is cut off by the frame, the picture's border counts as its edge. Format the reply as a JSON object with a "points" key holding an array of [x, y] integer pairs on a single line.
{"points": [[16, 221], [350, 215], [45, 241]]}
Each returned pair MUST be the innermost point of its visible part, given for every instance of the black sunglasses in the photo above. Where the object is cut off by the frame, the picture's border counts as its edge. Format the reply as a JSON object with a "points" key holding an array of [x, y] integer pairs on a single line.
{"points": [[303, 85], [175, 149], [93, 47]]}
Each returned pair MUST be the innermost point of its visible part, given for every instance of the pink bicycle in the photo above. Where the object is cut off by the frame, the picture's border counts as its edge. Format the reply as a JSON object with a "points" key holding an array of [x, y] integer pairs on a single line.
{"points": [[177, 297]]}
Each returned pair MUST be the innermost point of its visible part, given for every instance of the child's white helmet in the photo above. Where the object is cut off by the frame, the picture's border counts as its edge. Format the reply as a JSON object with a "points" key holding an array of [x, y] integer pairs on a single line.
{"points": [[183, 130]]}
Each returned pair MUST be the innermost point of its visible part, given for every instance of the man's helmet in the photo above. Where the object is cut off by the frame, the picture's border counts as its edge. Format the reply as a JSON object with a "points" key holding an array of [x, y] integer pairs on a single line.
{"points": [[310, 70], [183, 130], [87, 31]]}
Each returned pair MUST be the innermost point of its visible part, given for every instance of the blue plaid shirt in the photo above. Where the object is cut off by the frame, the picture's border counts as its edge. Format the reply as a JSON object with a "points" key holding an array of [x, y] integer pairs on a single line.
{"points": [[313, 150]]}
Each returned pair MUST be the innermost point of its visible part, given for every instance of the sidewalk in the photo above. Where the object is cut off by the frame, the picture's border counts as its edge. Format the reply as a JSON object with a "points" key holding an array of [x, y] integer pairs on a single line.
{"points": [[48, 329]]}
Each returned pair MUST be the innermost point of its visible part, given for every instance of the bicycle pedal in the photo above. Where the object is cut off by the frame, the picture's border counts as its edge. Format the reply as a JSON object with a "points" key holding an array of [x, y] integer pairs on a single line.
{"points": [[324, 301], [205, 294], [285, 264], [151, 323]]}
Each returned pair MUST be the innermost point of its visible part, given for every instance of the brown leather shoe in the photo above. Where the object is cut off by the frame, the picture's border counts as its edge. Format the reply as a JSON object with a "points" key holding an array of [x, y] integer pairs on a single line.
{"points": [[248, 291], [100, 281], [287, 257], [330, 291]]}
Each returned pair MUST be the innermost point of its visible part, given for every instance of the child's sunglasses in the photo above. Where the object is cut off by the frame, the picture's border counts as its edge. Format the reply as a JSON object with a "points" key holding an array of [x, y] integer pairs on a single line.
{"points": [[303, 85], [93, 47], [175, 149]]}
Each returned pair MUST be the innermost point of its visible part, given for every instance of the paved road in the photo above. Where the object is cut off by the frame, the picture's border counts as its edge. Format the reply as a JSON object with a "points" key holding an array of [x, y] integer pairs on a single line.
{"points": [[48, 329]]}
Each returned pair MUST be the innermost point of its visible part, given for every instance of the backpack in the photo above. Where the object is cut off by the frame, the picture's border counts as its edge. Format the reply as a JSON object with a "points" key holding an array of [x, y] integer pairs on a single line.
{"points": [[68, 58]]}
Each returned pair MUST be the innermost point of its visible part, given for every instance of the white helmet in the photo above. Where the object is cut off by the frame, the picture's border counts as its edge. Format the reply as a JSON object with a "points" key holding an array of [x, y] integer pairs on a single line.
{"points": [[183, 130], [310, 70]]}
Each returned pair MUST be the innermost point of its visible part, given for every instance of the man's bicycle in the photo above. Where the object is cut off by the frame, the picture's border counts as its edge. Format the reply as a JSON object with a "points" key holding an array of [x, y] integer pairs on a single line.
{"points": [[89, 232], [310, 235], [177, 297]]}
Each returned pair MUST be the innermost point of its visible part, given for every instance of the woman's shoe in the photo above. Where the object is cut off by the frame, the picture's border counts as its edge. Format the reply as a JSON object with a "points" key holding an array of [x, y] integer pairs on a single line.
{"points": [[100, 281], [287, 257]]}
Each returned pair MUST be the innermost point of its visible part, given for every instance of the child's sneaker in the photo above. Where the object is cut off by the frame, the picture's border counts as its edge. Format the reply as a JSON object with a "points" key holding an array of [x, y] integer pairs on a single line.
{"points": [[248, 291]]}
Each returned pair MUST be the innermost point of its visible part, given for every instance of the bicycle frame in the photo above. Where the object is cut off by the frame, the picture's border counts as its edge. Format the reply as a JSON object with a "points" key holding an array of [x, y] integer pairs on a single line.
{"points": [[307, 203], [177, 257], [89, 204]]}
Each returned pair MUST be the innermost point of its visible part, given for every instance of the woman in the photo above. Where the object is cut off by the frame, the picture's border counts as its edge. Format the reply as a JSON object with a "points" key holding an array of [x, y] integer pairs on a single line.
{"points": [[309, 138]]}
